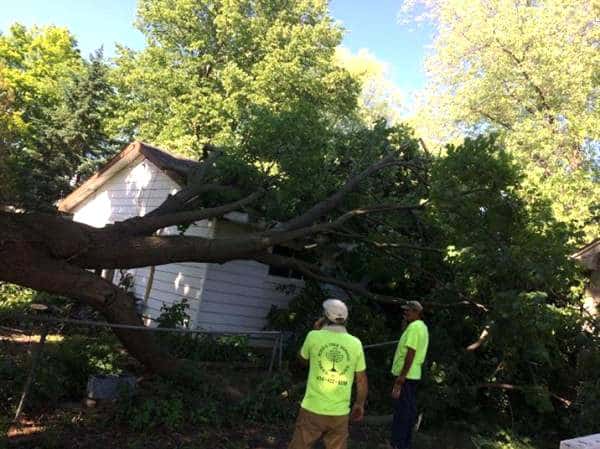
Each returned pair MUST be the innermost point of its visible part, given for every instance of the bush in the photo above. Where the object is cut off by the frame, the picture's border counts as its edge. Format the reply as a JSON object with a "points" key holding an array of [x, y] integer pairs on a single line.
{"points": [[14, 298], [159, 402], [201, 347], [272, 401], [586, 408], [65, 367], [502, 440], [144, 414]]}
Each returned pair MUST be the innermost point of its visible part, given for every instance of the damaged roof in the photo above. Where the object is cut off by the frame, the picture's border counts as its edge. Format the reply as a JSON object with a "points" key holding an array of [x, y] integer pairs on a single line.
{"points": [[174, 167]]}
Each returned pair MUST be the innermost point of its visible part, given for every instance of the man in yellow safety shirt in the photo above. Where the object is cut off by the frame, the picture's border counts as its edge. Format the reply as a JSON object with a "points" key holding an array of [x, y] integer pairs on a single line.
{"points": [[335, 360], [406, 367]]}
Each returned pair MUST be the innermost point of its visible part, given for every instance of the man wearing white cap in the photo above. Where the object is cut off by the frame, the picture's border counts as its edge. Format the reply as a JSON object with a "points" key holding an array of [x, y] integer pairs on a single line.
{"points": [[406, 367], [335, 359]]}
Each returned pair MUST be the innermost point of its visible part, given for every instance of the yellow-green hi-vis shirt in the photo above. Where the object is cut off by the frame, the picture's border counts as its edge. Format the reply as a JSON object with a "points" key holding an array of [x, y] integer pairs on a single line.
{"points": [[415, 336], [334, 357]]}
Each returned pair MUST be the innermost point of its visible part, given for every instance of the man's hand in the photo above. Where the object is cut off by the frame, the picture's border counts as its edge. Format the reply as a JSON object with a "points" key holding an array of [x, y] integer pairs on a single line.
{"points": [[397, 389], [319, 323], [358, 412], [362, 390]]}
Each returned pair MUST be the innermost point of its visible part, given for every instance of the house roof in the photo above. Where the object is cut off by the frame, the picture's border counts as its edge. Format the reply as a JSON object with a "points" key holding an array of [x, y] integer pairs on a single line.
{"points": [[174, 167], [589, 255]]}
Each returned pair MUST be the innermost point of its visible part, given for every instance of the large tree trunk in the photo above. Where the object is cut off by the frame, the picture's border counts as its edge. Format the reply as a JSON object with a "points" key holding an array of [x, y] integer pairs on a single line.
{"points": [[24, 265]]}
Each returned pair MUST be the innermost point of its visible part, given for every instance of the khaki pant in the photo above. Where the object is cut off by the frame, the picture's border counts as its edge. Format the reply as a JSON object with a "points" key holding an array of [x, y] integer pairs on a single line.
{"points": [[310, 427]]}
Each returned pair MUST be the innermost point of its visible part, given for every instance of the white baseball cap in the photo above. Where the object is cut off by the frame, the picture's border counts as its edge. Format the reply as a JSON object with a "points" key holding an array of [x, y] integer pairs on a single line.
{"points": [[335, 310], [413, 305]]}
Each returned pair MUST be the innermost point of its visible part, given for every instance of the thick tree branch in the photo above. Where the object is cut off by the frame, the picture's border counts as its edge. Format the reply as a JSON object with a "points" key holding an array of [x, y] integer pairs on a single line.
{"points": [[535, 87], [63, 238], [380, 244], [195, 186], [322, 208], [32, 268], [313, 272], [116, 251], [482, 338], [150, 223], [512, 387]]}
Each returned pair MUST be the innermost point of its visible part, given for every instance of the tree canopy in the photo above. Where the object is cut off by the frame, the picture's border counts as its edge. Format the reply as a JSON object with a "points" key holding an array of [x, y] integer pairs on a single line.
{"points": [[236, 76], [55, 110], [529, 71]]}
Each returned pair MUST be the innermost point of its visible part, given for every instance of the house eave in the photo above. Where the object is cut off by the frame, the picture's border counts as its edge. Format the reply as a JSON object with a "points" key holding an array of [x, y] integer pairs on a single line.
{"points": [[172, 167], [589, 255]]}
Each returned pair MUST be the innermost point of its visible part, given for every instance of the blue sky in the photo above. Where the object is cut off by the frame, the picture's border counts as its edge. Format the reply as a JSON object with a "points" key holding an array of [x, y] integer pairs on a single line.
{"points": [[370, 24]]}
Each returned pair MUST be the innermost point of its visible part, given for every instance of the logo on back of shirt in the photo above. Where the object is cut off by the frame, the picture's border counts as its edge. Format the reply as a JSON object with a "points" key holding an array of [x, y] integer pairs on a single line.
{"points": [[334, 363]]}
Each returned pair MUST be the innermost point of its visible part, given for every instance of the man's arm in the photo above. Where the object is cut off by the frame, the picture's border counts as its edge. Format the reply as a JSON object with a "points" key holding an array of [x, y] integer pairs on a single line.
{"points": [[304, 353], [408, 361], [302, 360], [362, 390]]}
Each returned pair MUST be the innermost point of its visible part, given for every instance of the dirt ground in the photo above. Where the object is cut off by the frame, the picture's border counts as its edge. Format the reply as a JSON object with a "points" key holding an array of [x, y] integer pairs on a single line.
{"points": [[76, 426]]}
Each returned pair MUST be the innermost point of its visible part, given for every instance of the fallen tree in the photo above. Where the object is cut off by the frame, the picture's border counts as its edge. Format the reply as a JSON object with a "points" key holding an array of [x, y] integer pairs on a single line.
{"points": [[48, 252]]}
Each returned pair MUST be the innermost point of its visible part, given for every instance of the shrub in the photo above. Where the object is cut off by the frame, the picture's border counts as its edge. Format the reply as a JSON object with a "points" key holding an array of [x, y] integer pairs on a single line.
{"points": [[14, 298], [271, 401], [66, 366], [201, 347]]}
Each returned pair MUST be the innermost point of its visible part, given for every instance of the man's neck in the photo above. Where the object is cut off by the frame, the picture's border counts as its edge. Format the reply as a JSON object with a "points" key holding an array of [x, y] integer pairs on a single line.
{"points": [[334, 327]]}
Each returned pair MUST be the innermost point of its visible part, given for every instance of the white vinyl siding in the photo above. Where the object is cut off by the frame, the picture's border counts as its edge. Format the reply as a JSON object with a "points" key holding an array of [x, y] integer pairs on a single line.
{"points": [[235, 296], [238, 295]]}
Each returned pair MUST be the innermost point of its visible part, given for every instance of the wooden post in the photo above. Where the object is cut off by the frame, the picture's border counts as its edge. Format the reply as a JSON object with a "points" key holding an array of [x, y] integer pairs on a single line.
{"points": [[37, 351], [273, 353], [280, 349]]}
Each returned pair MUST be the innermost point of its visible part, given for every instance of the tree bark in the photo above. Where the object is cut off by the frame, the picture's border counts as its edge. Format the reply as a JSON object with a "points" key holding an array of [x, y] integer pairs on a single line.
{"points": [[34, 269]]}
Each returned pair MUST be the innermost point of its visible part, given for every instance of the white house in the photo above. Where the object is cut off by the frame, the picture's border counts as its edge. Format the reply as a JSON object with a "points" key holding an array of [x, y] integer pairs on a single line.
{"points": [[589, 258], [235, 296]]}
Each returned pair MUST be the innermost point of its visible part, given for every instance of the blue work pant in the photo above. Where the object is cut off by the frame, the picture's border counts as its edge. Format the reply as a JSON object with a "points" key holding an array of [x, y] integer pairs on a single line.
{"points": [[405, 414]]}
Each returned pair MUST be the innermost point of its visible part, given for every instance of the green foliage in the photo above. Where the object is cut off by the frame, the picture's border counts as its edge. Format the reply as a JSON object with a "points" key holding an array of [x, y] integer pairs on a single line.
{"points": [[164, 403], [379, 98], [586, 407], [66, 366], [493, 238], [502, 440], [174, 315], [512, 257], [497, 66], [161, 405], [62, 371], [257, 75], [201, 347], [14, 298], [271, 401], [55, 108]]}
